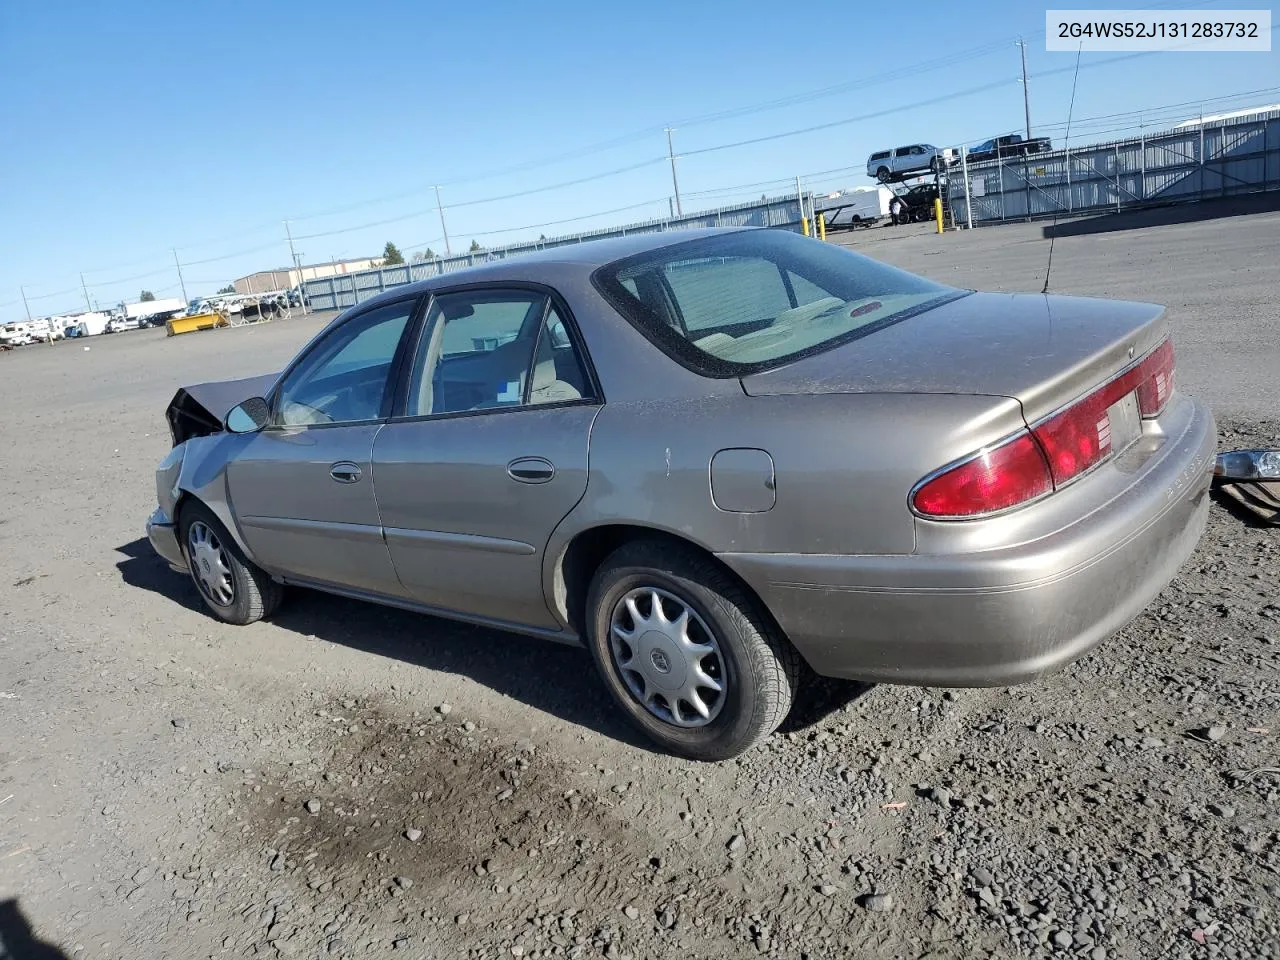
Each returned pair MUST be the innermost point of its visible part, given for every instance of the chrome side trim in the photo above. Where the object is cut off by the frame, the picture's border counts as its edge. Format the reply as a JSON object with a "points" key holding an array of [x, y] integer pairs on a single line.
{"points": [[459, 541], [356, 532]]}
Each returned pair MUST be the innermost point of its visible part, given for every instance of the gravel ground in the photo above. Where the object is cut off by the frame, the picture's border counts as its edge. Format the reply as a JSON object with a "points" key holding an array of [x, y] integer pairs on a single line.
{"points": [[349, 780]]}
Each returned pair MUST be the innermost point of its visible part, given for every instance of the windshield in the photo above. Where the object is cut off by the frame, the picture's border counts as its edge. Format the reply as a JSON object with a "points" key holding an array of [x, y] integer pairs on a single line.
{"points": [[732, 304]]}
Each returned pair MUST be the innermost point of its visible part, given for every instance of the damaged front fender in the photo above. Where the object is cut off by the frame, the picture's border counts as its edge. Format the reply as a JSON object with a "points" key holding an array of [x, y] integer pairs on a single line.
{"points": [[201, 409]]}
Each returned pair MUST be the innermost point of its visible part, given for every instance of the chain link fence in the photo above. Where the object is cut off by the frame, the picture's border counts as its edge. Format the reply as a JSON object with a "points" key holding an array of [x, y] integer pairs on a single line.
{"points": [[1193, 161]]}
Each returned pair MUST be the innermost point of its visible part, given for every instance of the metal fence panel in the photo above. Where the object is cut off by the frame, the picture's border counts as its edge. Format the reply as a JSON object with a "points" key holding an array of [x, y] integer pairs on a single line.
{"points": [[1241, 155], [346, 290]]}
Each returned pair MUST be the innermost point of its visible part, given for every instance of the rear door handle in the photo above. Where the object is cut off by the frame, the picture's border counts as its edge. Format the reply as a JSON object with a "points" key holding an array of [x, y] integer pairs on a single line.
{"points": [[531, 470], [346, 472]]}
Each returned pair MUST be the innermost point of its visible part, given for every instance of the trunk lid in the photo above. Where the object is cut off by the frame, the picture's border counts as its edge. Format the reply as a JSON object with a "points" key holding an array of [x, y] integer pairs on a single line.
{"points": [[1042, 350]]}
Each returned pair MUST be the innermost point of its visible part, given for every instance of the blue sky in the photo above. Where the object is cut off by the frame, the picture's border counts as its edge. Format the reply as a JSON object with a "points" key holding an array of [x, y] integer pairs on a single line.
{"points": [[134, 127]]}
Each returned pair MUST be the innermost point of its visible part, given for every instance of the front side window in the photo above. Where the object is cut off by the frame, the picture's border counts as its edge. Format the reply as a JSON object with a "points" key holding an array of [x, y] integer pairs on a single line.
{"points": [[730, 304], [903, 152], [491, 349], [344, 377]]}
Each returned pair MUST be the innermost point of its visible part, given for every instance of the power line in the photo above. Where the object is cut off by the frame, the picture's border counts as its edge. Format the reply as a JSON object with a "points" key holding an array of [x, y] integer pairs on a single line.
{"points": [[472, 203], [954, 95], [585, 216]]}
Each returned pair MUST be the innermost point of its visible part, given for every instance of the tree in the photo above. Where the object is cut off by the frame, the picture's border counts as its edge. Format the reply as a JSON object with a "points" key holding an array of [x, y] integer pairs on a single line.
{"points": [[474, 246], [146, 296], [229, 288], [427, 254], [391, 255]]}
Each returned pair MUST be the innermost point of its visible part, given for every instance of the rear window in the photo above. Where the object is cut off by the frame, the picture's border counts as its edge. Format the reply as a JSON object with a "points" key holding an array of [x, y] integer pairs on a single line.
{"points": [[743, 301]]}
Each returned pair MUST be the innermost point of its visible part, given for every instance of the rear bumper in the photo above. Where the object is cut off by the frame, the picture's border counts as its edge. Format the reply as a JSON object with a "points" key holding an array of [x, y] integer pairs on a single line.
{"points": [[164, 539], [1001, 616]]}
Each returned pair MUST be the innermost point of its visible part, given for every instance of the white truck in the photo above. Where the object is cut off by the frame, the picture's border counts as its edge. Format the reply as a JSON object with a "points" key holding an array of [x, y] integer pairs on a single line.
{"points": [[860, 206], [40, 330], [146, 310], [89, 324], [16, 334]]}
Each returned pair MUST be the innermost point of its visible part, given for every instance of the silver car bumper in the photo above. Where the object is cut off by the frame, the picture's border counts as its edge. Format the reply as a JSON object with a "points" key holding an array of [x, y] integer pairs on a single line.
{"points": [[1001, 616], [164, 538]]}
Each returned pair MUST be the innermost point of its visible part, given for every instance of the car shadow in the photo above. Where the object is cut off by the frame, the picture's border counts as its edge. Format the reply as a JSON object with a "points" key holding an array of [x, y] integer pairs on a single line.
{"points": [[18, 942], [554, 678]]}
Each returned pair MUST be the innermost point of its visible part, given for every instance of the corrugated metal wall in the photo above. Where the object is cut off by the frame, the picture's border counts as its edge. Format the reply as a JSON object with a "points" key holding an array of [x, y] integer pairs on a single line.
{"points": [[1241, 155], [337, 293]]}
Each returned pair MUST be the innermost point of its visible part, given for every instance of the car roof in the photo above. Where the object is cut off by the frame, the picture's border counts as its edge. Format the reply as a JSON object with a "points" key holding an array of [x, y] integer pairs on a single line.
{"points": [[587, 255]]}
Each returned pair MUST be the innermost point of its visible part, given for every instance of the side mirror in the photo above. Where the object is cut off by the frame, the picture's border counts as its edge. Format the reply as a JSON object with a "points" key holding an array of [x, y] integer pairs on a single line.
{"points": [[248, 417]]}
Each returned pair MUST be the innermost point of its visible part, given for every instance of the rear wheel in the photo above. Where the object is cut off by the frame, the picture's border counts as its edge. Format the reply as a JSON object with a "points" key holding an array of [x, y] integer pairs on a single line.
{"points": [[232, 586], [883, 174], [686, 652]]}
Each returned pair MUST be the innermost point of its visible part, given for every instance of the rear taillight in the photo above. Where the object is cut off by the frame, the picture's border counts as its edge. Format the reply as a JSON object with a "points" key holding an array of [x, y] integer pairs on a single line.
{"points": [[1004, 476], [1053, 453], [1155, 380]]}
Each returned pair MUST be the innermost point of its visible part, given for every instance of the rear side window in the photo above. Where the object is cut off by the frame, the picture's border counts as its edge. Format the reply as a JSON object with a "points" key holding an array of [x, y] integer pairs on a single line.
{"points": [[493, 349], [882, 155], [739, 302]]}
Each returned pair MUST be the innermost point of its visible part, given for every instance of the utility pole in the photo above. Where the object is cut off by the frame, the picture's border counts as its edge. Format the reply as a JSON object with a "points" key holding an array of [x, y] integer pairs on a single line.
{"points": [[1026, 87], [444, 229], [182, 283], [804, 220], [675, 184], [294, 257], [85, 288], [24, 302]]}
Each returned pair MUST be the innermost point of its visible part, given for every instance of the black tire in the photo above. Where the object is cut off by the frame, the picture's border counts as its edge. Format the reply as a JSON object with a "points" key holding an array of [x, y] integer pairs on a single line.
{"points": [[898, 211], [254, 594], [883, 174], [935, 165], [759, 663]]}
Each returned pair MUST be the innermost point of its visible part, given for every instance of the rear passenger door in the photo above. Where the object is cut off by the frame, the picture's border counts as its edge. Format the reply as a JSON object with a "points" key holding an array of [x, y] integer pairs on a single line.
{"points": [[487, 454], [902, 159]]}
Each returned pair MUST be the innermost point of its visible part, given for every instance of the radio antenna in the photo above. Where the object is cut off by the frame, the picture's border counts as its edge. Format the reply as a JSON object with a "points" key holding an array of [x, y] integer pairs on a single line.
{"points": [[1066, 142]]}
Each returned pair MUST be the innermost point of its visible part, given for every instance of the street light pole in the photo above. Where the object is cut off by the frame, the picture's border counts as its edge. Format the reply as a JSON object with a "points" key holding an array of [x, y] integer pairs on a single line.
{"points": [[182, 283], [675, 184], [444, 229]]}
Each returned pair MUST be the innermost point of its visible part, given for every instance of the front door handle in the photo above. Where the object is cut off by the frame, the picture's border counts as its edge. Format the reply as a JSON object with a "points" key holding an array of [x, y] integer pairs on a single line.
{"points": [[531, 470], [346, 472]]}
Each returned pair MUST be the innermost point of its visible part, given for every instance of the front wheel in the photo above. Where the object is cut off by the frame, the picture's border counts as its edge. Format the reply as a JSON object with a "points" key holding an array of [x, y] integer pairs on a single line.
{"points": [[687, 652], [232, 586]]}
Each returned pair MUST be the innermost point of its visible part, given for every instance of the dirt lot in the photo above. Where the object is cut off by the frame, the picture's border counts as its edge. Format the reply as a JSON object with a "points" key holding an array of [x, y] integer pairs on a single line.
{"points": [[349, 780]]}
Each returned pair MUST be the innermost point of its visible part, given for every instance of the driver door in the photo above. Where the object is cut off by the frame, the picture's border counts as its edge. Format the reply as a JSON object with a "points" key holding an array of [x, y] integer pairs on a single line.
{"points": [[302, 488]]}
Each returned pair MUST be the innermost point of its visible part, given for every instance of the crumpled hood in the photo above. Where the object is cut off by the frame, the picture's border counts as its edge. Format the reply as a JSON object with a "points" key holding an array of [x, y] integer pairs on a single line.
{"points": [[200, 409]]}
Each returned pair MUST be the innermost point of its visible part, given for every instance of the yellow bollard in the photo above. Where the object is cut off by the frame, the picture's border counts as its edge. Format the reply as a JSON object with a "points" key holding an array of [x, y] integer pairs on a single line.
{"points": [[937, 211], [822, 226], [804, 225]]}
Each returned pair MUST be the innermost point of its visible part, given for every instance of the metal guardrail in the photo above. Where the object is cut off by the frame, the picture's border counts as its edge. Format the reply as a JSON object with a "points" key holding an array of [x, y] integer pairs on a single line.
{"points": [[346, 290], [1223, 159]]}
